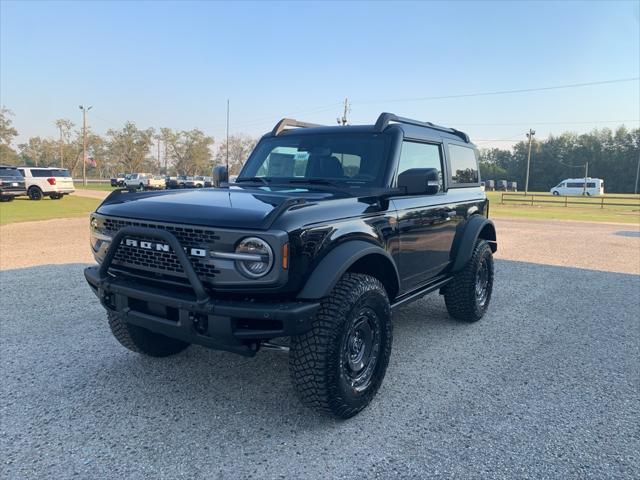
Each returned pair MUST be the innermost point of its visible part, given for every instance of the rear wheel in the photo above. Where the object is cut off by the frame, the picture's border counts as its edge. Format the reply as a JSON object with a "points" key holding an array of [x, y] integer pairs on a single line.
{"points": [[56, 196], [35, 193], [141, 340], [467, 296], [338, 366]]}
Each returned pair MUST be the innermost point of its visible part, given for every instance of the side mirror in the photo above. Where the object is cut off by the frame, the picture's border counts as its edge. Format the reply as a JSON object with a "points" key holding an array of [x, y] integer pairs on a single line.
{"points": [[420, 181], [219, 175]]}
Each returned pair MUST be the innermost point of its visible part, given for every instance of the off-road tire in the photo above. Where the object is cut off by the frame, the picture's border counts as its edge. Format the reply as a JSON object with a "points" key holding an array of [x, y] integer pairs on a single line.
{"points": [[34, 193], [317, 358], [141, 340], [460, 294]]}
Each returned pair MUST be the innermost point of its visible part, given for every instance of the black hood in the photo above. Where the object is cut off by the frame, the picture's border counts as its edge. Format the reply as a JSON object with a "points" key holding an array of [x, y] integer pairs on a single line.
{"points": [[253, 208]]}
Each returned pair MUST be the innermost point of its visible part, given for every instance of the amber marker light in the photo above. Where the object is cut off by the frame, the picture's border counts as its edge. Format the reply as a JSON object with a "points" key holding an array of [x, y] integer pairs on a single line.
{"points": [[285, 256]]}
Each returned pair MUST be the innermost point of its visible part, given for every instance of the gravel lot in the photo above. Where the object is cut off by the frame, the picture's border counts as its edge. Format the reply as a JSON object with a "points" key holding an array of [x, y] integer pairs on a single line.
{"points": [[546, 386]]}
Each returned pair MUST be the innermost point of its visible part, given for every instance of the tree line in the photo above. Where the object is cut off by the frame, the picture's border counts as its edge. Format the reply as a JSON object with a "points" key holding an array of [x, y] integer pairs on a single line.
{"points": [[128, 149], [611, 155]]}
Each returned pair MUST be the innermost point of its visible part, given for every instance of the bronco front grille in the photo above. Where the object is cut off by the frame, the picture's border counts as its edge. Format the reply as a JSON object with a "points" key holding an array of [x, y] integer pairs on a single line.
{"points": [[160, 262]]}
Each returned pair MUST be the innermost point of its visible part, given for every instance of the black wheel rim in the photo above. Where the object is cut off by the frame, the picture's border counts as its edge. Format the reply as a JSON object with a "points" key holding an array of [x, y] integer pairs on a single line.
{"points": [[361, 349], [482, 282]]}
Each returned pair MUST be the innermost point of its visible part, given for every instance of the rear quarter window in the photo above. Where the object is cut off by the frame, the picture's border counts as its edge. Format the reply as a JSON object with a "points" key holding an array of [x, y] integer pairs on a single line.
{"points": [[464, 166], [37, 172]]}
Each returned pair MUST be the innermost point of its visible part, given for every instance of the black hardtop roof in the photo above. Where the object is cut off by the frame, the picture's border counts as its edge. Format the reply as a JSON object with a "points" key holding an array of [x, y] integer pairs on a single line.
{"points": [[411, 128]]}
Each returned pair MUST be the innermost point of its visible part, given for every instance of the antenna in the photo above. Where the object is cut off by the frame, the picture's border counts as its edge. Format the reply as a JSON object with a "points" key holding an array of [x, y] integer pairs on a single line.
{"points": [[227, 136]]}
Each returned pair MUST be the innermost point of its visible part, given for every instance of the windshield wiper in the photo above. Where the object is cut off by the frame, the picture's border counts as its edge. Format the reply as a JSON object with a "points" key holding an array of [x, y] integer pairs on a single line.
{"points": [[253, 179], [317, 181]]}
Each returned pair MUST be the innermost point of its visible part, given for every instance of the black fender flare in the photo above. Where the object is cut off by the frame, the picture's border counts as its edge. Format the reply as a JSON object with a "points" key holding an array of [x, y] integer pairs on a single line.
{"points": [[336, 263], [465, 239]]}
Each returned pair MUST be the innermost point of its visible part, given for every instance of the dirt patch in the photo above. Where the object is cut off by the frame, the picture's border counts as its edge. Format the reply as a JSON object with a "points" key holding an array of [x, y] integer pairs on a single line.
{"points": [[595, 246], [64, 240]]}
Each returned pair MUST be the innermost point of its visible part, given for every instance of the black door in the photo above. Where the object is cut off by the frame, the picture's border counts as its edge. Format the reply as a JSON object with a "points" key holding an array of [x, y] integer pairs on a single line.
{"points": [[426, 223]]}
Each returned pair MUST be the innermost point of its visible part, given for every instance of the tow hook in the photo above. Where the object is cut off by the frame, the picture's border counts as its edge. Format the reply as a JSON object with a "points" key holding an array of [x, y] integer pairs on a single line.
{"points": [[200, 323]]}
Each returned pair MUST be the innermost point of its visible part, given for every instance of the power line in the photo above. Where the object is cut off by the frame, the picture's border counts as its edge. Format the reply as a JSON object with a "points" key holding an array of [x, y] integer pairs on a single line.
{"points": [[515, 124], [501, 92]]}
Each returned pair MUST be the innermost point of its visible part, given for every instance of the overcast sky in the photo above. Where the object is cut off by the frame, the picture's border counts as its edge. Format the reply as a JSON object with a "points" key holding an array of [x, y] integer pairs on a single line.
{"points": [[175, 64]]}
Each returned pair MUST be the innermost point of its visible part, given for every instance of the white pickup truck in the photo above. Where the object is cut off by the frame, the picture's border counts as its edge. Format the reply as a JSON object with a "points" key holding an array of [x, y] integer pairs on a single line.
{"points": [[144, 181]]}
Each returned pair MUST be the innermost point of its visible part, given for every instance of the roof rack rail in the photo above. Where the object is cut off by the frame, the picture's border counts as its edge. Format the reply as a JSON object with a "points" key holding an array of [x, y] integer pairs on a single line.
{"points": [[290, 122], [385, 118]]}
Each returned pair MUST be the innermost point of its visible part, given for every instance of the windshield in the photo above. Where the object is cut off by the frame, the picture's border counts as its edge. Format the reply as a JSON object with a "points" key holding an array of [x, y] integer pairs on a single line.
{"points": [[340, 158]]}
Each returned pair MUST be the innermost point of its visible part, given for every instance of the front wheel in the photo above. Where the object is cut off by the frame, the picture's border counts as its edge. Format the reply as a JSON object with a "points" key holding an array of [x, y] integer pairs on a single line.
{"points": [[467, 296], [141, 340], [556, 193], [8, 198], [338, 366]]}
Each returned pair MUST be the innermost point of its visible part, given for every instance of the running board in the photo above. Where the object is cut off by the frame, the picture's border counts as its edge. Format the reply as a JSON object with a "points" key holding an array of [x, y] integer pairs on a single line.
{"points": [[417, 294]]}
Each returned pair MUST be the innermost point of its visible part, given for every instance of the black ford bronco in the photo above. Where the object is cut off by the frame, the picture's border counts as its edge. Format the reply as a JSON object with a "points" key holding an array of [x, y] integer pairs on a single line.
{"points": [[323, 234]]}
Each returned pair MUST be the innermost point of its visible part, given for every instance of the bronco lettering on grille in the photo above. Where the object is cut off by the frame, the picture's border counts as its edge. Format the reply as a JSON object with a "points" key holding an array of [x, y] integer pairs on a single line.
{"points": [[163, 247]]}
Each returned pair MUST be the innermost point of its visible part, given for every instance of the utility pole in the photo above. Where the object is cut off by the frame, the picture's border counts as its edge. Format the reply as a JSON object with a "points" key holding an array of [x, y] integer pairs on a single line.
{"points": [[84, 142], [530, 135], [159, 164], [586, 173], [347, 109], [227, 138], [635, 190], [61, 157]]}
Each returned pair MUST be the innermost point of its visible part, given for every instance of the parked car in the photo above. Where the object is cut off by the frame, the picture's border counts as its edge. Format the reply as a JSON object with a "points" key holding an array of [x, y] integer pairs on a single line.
{"points": [[170, 182], [47, 182], [11, 183], [196, 182], [490, 185], [579, 186], [359, 220], [512, 186], [118, 180], [145, 181], [177, 182], [502, 185]]}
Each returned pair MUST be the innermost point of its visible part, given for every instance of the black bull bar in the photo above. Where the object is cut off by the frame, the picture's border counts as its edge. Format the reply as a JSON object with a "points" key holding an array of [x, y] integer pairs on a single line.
{"points": [[232, 325]]}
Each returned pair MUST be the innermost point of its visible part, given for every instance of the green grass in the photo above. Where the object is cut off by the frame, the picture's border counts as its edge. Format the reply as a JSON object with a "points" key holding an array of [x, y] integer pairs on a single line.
{"points": [[24, 210], [585, 213], [93, 186]]}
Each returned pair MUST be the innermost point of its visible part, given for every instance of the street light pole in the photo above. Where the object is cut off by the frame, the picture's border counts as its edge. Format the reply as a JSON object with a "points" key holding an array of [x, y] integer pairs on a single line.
{"points": [[84, 142], [530, 135], [635, 190]]}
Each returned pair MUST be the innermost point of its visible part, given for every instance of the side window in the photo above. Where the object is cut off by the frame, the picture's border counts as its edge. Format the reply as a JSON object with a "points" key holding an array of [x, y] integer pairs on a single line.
{"points": [[464, 167], [420, 155]]}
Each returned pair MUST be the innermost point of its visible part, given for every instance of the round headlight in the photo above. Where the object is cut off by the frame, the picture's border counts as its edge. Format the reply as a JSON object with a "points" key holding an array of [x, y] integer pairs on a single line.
{"points": [[259, 257]]}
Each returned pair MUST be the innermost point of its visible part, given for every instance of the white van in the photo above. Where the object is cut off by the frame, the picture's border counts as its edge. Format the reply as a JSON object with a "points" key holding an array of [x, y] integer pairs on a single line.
{"points": [[47, 181], [576, 186]]}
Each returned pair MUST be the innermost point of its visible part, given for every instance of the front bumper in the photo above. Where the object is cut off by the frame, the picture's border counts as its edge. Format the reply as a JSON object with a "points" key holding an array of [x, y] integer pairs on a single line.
{"points": [[193, 315], [230, 325]]}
